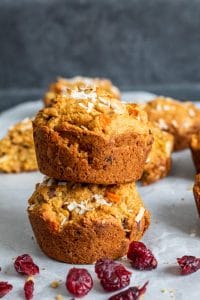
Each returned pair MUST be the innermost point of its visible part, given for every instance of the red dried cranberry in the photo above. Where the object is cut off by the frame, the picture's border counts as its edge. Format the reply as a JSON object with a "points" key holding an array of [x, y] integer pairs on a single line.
{"points": [[5, 288], [29, 289], [79, 282], [24, 265], [141, 257], [113, 276], [133, 293], [188, 264]]}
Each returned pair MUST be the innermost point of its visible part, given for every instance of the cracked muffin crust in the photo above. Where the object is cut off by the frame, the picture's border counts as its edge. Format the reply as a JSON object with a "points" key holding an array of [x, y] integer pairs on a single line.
{"points": [[158, 163], [81, 223], [179, 119], [92, 138], [195, 150], [62, 84], [17, 153], [196, 192]]}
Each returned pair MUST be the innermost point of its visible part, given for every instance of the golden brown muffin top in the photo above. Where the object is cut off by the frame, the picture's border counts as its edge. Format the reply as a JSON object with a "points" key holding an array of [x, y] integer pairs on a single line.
{"points": [[94, 110], [168, 113], [60, 202], [62, 84]]}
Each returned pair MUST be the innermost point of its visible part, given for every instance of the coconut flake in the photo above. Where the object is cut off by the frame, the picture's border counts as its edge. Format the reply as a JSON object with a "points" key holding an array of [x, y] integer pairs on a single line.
{"points": [[90, 107], [191, 112], [4, 158], [168, 148], [83, 106], [63, 221], [166, 107], [118, 107], [72, 206], [31, 207], [162, 124], [174, 123], [140, 214], [80, 95], [84, 206], [101, 200]]}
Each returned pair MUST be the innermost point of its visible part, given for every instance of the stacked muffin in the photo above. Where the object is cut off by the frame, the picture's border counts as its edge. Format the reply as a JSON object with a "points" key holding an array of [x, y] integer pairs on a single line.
{"points": [[93, 148]]}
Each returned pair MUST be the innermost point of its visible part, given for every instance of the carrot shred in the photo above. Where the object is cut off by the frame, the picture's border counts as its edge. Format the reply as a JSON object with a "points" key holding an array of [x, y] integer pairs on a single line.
{"points": [[112, 197]]}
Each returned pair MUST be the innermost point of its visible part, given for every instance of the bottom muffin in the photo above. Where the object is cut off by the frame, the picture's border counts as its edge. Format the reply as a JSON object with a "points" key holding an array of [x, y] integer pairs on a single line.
{"points": [[81, 223]]}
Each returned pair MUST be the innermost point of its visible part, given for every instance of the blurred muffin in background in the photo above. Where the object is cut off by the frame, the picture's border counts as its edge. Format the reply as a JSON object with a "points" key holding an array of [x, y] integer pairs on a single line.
{"points": [[62, 84], [180, 119]]}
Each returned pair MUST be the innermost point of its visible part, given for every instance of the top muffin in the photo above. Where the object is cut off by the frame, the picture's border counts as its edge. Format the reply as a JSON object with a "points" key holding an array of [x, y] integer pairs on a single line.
{"points": [[89, 136]]}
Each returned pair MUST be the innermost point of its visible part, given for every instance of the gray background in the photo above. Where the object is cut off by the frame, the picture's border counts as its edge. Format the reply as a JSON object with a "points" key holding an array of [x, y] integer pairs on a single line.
{"points": [[152, 45]]}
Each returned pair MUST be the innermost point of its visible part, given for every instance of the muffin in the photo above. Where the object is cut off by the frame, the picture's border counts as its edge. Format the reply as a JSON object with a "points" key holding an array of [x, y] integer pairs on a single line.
{"points": [[196, 191], [195, 150], [88, 136], [62, 84], [179, 119], [81, 223], [158, 163], [17, 153]]}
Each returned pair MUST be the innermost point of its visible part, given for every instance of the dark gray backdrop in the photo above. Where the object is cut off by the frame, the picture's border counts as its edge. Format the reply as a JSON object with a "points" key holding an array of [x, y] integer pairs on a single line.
{"points": [[139, 44]]}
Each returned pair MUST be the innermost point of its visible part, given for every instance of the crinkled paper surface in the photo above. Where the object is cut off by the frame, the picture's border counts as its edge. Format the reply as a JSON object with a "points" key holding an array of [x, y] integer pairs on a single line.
{"points": [[174, 232]]}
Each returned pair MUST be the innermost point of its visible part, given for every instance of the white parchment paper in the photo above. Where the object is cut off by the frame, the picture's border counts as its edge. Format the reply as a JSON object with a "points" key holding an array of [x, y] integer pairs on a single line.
{"points": [[174, 231]]}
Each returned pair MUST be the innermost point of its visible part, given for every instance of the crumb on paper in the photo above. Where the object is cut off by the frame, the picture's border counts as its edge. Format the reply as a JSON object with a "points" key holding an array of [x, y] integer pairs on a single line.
{"points": [[55, 284], [171, 292], [193, 233], [59, 297], [123, 258], [30, 278]]}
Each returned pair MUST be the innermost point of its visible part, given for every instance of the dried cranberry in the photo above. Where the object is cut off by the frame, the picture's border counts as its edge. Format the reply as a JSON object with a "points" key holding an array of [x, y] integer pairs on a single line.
{"points": [[29, 289], [79, 282], [141, 257], [188, 264], [5, 288], [133, 293], [113, 276], [24, 265]]}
